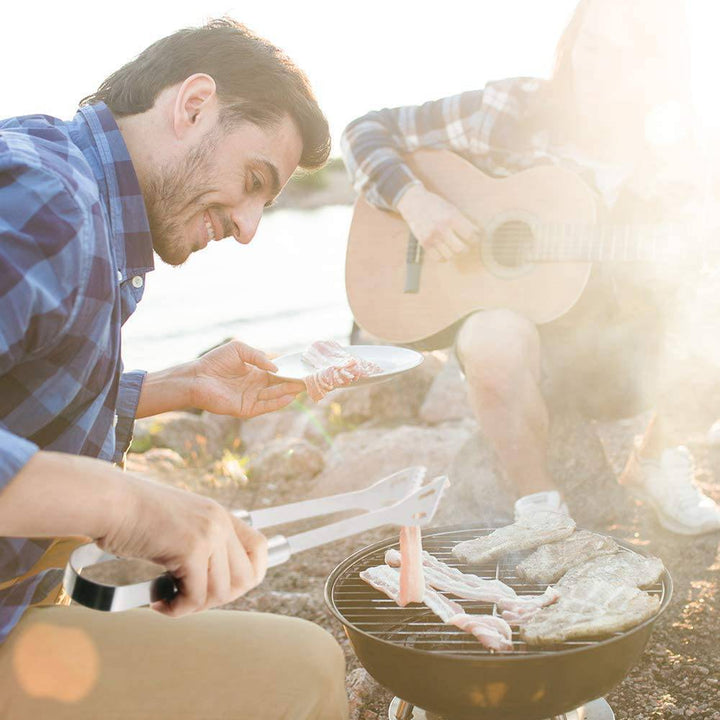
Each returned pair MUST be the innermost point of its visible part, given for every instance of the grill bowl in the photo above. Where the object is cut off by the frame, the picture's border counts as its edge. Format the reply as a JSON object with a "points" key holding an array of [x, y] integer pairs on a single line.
{"points": [[445, 671]]}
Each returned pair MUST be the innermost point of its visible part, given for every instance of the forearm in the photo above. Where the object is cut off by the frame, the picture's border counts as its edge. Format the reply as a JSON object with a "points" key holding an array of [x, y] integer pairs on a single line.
{"points": [[373, 148], [56, 495], [166, 390], [374, 145]]}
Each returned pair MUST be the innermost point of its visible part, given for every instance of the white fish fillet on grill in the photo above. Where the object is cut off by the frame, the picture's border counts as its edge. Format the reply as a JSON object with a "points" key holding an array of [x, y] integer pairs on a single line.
{"points": [[589, 608], [443, 577], [550, 562], [527, 533], [622, 568], [491, 631]]}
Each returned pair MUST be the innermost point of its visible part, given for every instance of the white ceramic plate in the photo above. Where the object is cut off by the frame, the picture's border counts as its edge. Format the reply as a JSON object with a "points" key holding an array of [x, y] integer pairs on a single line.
{"points": [[393, 360]]}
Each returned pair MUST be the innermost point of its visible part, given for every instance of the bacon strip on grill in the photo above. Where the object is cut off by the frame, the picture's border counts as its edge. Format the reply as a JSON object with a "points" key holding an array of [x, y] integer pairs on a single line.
{"points": [[335, 367], [412, 580], [492, 632], [515, 608]]}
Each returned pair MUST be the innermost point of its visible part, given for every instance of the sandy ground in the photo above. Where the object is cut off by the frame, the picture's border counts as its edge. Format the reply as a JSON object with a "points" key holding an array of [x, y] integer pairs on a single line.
{"points": [[679, 673]]}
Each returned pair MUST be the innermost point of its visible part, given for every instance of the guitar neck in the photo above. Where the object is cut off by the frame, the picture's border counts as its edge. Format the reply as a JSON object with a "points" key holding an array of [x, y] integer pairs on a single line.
{"points": [[565, 242]]}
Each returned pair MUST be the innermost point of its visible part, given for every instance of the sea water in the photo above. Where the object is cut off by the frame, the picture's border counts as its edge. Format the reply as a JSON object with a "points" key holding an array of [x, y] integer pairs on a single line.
{"points": [[279, 293]]}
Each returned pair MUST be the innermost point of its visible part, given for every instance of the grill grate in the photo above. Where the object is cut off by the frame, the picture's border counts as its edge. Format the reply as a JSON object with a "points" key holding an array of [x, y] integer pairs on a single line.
{"points": [[416, 627]]}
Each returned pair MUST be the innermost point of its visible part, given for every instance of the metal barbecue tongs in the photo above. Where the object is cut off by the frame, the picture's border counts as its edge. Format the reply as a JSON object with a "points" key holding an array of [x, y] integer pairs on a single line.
{"points": [[399, 499]]}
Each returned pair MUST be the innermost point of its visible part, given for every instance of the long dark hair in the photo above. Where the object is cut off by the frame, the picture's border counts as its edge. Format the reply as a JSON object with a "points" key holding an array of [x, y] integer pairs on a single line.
{"points": [[255, 81]]}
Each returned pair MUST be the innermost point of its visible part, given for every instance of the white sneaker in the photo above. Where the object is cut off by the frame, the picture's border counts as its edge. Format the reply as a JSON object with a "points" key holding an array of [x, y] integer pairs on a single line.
{"points": [[713, 434], [547, 501], [668, 485]]}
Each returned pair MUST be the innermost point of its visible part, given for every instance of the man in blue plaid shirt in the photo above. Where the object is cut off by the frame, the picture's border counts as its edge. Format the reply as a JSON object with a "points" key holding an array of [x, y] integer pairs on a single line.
{"points": [[182, 146]]}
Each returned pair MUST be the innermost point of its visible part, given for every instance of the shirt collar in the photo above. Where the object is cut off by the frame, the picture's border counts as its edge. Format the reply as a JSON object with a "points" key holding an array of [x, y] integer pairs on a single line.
{"points": [[96, 133]]}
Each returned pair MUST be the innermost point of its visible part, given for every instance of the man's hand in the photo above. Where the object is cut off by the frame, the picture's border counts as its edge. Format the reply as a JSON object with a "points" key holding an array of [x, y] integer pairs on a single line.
{"points": [[442, 230], [213, 556], [234, 379]]}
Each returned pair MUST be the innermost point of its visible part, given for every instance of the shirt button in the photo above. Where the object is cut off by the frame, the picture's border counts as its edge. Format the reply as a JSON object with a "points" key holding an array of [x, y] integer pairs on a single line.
{"points": [[119, 276], [137, 282]]}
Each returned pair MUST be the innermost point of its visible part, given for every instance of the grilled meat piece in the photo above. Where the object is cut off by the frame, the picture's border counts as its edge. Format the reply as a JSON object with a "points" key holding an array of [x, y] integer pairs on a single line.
{"points": [[589, 608], [525, 534], [622, 568], [550, 562]]}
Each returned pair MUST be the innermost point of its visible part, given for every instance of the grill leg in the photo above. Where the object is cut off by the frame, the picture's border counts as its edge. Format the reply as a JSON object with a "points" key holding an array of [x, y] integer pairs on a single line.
{"points": [[404, 711]]}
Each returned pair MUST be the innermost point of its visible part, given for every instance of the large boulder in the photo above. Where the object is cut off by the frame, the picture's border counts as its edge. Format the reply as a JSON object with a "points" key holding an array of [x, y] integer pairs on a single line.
{"points": [[188, 434], [311, 423], [226, 427], [447, 398], [357, 459], [286, 459], [478, 493], [579, 464]]}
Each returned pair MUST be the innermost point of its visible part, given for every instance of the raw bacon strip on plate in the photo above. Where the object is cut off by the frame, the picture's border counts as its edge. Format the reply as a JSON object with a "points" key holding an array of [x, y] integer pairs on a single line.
{"points": [[335, 367]]}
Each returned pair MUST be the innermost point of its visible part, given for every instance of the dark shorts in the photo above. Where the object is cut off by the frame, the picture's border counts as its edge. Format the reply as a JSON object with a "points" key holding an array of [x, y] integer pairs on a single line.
{"points": [[602, 358]]}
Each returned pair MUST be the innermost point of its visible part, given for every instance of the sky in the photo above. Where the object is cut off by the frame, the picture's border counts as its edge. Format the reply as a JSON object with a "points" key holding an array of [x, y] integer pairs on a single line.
{"points": [[359, 56]]}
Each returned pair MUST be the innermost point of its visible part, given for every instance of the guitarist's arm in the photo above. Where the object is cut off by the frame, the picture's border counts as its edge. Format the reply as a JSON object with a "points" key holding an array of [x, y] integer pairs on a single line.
{"points": [[373, 147]]}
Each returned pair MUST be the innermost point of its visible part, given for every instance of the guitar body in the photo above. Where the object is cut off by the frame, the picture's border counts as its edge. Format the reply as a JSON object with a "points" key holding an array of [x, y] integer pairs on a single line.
{"points": [[483, 278]]}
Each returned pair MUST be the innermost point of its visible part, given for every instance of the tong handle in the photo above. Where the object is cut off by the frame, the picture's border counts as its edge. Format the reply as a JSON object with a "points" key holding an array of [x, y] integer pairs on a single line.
{"points": [[113, 598], [369, 498]]}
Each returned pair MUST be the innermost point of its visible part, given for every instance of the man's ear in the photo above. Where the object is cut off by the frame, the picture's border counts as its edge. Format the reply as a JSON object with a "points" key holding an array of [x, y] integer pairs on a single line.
{"points": [[196, 105]]}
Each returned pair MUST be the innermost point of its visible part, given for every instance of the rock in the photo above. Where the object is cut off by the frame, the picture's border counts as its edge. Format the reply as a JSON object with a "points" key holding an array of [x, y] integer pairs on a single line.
{"points": [[227, 428], [447, 398], [185, 433], [361, 689], [577, 462], [286, 459], [395, 400], [360, 458], [298, 421], [477, 492], [163, 459], [156, 462], [295, 604]]}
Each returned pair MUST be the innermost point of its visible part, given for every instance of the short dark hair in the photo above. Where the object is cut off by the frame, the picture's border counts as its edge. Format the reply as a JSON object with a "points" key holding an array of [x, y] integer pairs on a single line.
{"points": [[255, 80]]}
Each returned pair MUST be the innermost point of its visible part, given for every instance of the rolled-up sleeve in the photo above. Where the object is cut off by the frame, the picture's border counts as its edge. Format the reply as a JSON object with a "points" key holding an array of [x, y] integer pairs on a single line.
{"points": [[374, 144], [126, 410]]}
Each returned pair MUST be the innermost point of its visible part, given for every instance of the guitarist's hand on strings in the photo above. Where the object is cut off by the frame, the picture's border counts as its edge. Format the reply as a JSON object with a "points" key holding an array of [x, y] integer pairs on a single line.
{"points": [[442, 230]]}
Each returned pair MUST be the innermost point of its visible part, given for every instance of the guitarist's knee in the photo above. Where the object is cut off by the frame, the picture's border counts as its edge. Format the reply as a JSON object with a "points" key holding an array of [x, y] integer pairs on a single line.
{"points": [[496, 345]]}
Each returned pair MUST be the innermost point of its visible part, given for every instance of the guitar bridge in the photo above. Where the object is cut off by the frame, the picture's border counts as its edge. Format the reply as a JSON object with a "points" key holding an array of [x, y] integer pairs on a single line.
{"points": [[413, 264]]}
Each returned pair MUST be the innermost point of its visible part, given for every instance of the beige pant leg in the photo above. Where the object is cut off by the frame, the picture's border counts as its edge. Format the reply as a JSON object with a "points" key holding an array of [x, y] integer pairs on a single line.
{"points": [[70, 663]]}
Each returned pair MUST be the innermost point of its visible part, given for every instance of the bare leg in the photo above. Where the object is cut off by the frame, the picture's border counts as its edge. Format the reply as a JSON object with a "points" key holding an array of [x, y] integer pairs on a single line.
{"points": [[500, 352]]}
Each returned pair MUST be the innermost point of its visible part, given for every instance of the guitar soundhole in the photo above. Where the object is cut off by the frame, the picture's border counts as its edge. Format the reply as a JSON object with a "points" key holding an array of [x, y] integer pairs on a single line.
{"points": [[512, 243]]}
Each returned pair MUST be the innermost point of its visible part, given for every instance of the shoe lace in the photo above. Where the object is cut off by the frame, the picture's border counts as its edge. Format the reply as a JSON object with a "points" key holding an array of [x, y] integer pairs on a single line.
{"points": [[679, 473]]}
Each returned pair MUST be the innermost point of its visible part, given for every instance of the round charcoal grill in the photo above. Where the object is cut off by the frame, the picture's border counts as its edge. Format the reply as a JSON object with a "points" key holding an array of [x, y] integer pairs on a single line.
{"points": [[447, 672]]}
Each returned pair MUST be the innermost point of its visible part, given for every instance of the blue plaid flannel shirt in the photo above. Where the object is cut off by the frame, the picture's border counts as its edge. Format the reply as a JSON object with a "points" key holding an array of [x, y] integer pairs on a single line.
{"points": [[75, 246]]}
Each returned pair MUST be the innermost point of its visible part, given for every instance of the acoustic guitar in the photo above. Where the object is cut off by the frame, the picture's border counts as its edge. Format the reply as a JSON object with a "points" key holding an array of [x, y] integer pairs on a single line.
{"points": [[539, 238]]}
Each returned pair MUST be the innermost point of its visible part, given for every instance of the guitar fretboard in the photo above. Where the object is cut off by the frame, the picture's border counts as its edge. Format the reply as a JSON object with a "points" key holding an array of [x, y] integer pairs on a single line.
{"points": [[565, 242]]}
